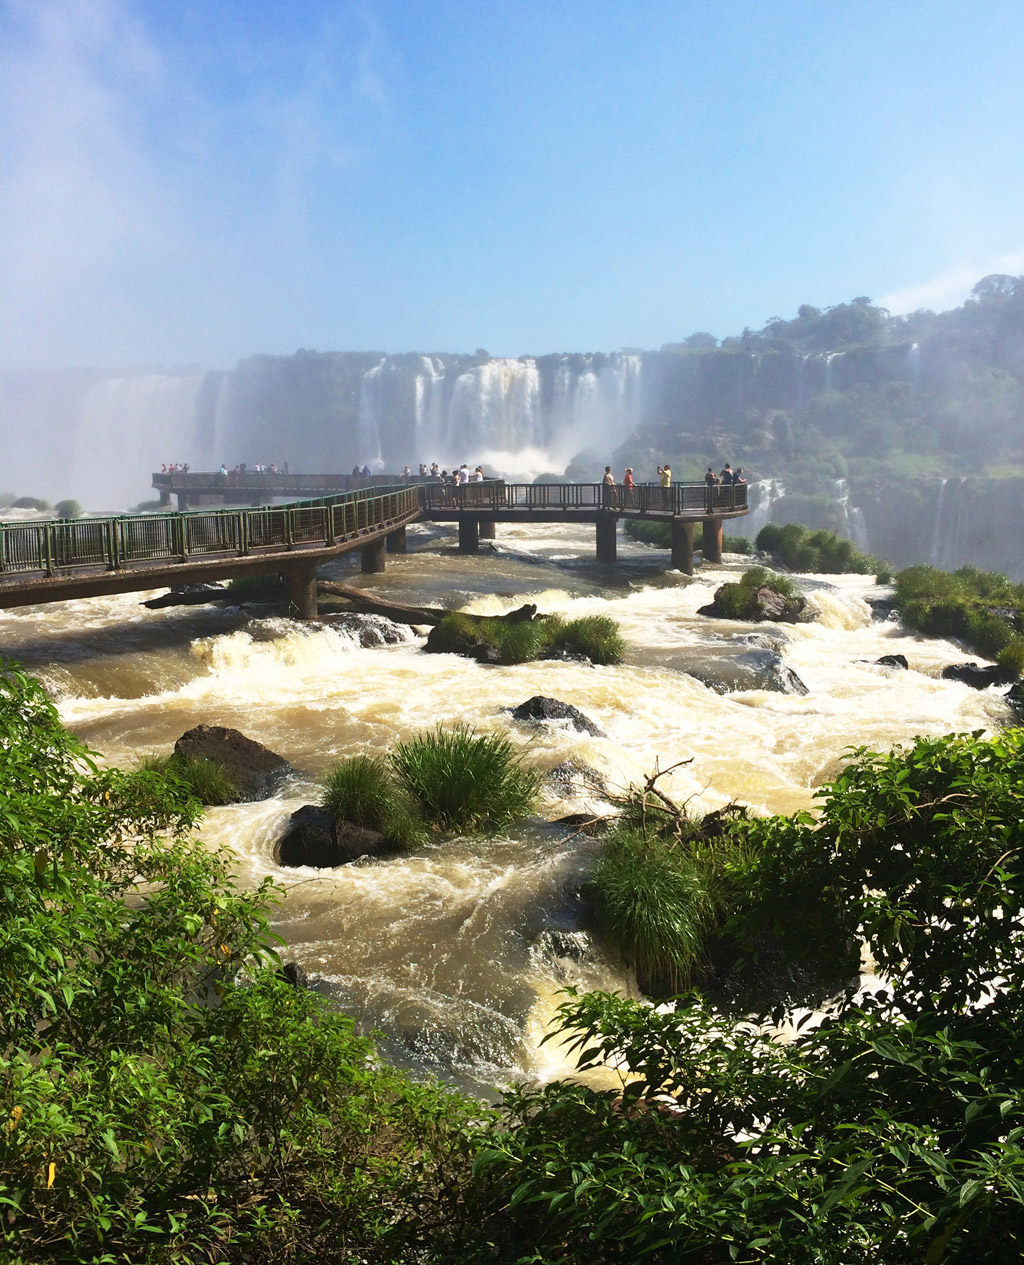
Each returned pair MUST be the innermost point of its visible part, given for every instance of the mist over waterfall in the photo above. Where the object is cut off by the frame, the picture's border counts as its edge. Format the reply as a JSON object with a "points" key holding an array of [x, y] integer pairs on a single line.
{"points": [[320, 412]]}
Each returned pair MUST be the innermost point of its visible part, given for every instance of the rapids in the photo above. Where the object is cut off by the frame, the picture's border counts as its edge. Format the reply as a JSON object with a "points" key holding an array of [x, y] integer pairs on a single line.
{"points": [[456, 953]]}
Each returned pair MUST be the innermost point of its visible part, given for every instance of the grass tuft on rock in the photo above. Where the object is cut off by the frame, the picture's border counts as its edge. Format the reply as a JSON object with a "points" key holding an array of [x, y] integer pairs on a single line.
{"points": [[464, 781], [362, 790], [208, 781], [596, 636]]}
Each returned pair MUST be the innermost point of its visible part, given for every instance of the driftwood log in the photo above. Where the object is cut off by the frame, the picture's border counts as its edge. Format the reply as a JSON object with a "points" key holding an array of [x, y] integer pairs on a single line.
{"points": [[370, 604]]}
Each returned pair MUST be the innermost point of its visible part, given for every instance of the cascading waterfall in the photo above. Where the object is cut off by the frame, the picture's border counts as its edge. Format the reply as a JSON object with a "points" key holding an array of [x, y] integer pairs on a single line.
{"points": [[850, 518], [947, 550]]}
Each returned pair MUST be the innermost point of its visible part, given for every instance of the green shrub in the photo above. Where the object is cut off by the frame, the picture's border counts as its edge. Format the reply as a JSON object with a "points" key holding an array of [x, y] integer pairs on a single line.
{"points": [[140, 1124], [523, 642], [656, 532], [208, 780], [825, 552], [596, 636], [465, 781], [68, 509], [1012, 655], [363, 790], [984, 609], [32, 503], [656, 902]]}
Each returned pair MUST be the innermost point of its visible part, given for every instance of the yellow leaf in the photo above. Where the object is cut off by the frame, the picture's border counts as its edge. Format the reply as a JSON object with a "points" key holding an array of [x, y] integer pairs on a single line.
{"points": [[16, 1114], [51, 1173]]}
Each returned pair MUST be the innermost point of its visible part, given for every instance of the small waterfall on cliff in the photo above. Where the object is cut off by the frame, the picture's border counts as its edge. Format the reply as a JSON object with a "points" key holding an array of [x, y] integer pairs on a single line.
{"points": [[761, 496], [850, 518], [369, 415], [830, 356], [914, 366], [946, 550]]}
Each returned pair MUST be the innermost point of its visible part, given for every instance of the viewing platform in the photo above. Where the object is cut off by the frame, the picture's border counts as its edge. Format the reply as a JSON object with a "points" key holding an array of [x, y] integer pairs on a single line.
{"points": [[62, 559]]}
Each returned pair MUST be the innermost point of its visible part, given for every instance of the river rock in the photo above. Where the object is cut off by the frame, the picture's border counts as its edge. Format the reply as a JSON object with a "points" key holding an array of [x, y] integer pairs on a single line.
{"points": [[255, 769], [370, 631], [769, 605], [979, 678], [541, 708], [466, 643], [748, 670], [1015, 696], [893, 661], [573, 779], [315, 838]]}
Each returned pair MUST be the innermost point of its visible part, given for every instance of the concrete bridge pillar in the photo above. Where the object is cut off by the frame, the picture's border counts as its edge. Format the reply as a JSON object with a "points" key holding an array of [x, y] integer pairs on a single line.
{"points": [[182, 501], [396, 540], [302, 590], [165, 496], [487, 528], [607, 525], [682, 545], [372, 557], [469, 535], [712, 548]]}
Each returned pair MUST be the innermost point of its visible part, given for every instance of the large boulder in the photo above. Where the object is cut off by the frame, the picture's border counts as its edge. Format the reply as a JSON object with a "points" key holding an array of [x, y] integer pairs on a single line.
{"points": [[370, 631], [541, 708], [977, 677], [255, 769], [314, 838], [893, 661], [732, 672], [765, 604]]}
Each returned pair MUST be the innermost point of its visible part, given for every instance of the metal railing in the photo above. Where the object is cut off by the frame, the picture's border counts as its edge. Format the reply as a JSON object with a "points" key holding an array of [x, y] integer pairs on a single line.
{"points": [[80, 544], [645, 498]]}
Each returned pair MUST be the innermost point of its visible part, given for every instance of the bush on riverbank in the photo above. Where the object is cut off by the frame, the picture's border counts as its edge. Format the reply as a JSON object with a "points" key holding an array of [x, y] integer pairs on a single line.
{"points": [[654, 532], [981, 608], [819, 552], [891, 1132]]}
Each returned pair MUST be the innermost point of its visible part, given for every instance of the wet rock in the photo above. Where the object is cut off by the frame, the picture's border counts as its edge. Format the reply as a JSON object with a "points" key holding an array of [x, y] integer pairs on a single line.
{"points": [[751, 670], [188, 595], [765, 604], [1015, 696], [370, 631], [292, 973], [893, 661], [573, 778], [466, 643], [585, 823], [882, 608], [255, 769], [542, 708], [977, 677], [315, 838], [573, 946]]}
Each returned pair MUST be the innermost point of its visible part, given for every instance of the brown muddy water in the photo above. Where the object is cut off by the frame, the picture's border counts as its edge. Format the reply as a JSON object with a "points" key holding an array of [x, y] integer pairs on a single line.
{"points": [[457, 953]]}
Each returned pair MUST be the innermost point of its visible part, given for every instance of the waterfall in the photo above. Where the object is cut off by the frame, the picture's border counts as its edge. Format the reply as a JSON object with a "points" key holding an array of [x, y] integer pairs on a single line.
{"points": [[761, 496], [850, 518], [947, 551], [369, 429]]}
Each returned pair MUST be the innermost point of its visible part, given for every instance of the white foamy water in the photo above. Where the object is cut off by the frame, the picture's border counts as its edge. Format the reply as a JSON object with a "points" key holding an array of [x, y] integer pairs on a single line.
{"points": [[457, 952]]}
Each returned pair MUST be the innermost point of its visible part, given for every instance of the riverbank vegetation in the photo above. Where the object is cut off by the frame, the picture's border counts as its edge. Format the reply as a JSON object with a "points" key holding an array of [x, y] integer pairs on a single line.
{"points": [[208, 781], [982, 609], [166, 1096], [654, 532], [820, 552]]}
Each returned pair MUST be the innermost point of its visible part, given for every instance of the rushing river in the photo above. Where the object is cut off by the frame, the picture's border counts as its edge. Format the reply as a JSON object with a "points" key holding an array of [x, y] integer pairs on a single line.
{"points": [[457, 953]]}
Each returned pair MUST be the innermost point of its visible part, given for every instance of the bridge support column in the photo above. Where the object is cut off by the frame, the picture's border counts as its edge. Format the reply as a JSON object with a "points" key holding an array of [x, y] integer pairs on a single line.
{"points": [[182, 501], [712, 547], [302, 590], [682, 545], [469, 535], [396, 540], [372, 557], [165, 496], [487, 528], [607, 525]]}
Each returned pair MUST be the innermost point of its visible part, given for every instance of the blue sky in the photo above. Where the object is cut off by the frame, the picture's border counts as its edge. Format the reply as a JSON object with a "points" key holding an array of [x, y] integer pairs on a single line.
{"points": [[193, 181]]}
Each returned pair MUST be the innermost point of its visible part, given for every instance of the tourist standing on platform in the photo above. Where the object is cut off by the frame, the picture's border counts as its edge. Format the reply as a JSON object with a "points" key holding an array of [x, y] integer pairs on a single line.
{"points": [[628, 485]]}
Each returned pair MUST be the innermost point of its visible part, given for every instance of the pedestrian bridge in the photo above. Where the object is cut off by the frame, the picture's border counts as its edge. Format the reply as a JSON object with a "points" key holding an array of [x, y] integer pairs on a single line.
{"points": [[60, 560]]}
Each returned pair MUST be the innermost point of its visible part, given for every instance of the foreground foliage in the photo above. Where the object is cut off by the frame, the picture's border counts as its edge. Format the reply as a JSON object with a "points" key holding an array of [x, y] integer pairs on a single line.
{"points": [[983, 609], [891, 1131], [164, 1095]]}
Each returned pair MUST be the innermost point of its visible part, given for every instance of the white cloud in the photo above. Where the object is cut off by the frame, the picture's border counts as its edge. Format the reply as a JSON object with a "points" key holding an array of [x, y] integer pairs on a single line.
{"points": [[951, 287]]}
